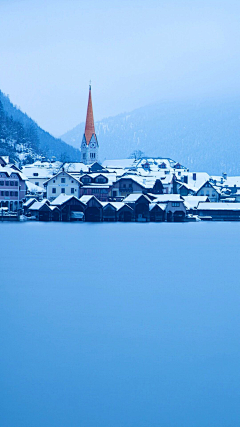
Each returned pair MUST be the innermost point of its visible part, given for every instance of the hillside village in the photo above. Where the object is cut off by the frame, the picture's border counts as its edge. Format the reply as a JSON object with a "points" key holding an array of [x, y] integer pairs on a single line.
{"points": [[138, 189]]}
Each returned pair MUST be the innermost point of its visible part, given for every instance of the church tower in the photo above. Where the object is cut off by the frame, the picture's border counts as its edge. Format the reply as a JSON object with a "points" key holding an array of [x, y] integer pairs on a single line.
{"points": [[89, 146]]}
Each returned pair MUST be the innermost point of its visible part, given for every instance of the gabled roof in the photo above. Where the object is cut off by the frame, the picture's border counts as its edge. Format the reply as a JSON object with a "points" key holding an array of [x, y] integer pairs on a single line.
{"points": [[86, 199], [29, 202], [63, 198], [116, 205], [161, 206], [38, 205], [192, 202], [62, 171], [211, 184], [132, 198], [32, 188], [9, 171]]}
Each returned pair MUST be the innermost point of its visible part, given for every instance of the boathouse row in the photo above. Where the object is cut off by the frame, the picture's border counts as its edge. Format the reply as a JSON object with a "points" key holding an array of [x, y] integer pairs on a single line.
{"points": [[135, 207]]}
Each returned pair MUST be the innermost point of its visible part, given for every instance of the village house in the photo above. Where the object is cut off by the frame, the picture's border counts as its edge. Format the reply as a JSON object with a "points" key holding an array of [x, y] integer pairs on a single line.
{"points": [[62, 183], [209, 190], [12, 187], [39, 172], [97, 184], [175, 208]]}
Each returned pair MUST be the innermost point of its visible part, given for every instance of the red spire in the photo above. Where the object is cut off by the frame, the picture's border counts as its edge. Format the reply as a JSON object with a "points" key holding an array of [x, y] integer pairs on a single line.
{"points": [[89, 126]]}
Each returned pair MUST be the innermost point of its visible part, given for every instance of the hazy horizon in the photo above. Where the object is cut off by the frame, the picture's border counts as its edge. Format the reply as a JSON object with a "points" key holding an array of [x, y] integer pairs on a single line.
{"points": [[134, 54]]}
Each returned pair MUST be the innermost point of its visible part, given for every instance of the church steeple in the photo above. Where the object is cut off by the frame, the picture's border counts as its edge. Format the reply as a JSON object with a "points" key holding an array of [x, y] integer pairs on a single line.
{"points": [[89, 126], [89, 147]]}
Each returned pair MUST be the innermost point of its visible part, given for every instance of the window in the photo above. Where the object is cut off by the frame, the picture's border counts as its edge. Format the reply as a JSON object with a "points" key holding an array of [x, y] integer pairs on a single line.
{"points": [[37, 183], [63, 190], [63, 180], [54, 190], [16, 183], [72, 190], [35, 174], [175, 204], [6, 193], [84, 155], [2, 193], [11, 193], [15, 193], [11, 183], [72, 182], [1, 182], [7, 183], [54, 180]]}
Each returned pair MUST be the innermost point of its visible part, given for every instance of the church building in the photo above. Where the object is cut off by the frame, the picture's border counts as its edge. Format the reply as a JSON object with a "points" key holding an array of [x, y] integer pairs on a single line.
{"points": [[89, 146]]}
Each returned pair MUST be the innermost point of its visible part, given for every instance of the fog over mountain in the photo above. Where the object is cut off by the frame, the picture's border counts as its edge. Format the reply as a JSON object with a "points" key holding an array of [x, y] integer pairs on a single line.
{"points": [[204, 135]]}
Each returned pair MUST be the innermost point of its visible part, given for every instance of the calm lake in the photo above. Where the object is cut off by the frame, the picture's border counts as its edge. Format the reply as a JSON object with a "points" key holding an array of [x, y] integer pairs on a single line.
{"points": [[120, 325]]}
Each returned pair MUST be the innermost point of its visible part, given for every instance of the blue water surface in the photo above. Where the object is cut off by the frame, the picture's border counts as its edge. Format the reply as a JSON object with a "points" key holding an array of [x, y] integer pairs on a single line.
{"points": [[120, 325]]}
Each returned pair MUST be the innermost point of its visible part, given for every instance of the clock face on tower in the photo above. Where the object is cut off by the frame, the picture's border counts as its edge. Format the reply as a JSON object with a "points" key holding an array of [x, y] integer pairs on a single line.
{"points": [[84, 145], [92, 145]]}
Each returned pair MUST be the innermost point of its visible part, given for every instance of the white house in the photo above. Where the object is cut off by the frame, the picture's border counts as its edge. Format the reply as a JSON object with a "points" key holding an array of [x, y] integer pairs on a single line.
{"points": [[62, 183]]}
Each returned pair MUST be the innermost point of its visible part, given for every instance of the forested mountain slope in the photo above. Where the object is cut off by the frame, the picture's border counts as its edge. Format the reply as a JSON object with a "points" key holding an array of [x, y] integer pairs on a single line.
{"points": [[23, 139]]}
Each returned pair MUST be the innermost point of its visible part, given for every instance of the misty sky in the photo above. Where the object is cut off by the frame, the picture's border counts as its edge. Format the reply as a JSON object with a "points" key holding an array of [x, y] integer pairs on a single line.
{"points": [[135, 53]]}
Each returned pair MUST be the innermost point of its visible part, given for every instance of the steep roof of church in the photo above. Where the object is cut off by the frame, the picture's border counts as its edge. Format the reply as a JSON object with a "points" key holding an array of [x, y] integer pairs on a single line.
{"points": [[89, 126]]}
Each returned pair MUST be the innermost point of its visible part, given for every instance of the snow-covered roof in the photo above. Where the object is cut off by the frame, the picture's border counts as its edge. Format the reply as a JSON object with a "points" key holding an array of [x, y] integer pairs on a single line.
{"points": [[132, 198], [34, 188], [37, 205], [191, 202], [219, 206], [29, 202], [37, 172], [164, 198], [228, 181], [119, 163], [62, 198], [85, 199], [9, 171], [94, 185], [200, 178], [116, 205], [76, 167], [5, 158], [161, 206]]}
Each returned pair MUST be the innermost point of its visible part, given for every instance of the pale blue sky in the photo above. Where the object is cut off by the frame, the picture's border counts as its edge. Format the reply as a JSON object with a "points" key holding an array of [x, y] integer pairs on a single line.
{"points": [[135, 53]]}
